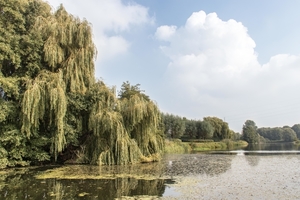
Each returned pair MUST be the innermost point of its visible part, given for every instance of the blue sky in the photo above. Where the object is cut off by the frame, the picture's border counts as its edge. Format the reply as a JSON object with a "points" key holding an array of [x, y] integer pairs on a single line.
{"points": [[236, 60]]}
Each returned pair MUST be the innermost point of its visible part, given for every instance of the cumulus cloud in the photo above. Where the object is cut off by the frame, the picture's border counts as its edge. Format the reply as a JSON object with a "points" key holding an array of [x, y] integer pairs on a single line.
{"points": [[110, 46], [109, 20], [209, 53], [165, 32], [214, 70]]}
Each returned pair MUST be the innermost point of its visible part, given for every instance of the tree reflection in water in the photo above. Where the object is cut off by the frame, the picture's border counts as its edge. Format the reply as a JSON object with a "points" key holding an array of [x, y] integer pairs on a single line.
{"points": [[252, 160], [107, 182], [106, 188], [86, 185], [110, 182]]}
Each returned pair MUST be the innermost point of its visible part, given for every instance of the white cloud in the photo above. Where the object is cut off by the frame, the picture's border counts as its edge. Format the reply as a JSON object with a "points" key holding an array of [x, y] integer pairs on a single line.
{"points": [[214, 70], [208, 52], [109, 20], [108, 47], [165, 32]]}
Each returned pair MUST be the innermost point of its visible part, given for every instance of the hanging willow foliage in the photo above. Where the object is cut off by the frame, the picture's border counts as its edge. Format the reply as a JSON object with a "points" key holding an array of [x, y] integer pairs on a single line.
{"points": [[69, 45], [110, 143], [125, 130], [141, 119], [45, 102], [47, 64], [69, 54]]}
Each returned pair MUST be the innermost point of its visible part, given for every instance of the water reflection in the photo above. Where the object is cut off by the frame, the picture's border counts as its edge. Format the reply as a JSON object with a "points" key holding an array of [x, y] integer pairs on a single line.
{"points": [[25, 186], [110, 182], [252, 160], [106, 188], [107, 182], [253, 152], [273, 147]]}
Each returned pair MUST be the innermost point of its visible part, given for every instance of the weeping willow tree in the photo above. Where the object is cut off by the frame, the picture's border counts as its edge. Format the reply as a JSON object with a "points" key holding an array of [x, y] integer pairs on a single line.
{"points": [[110, 142], [52, 106], [45, 102], [69, 46], [125, 130], [68, 54], [142, 118]]}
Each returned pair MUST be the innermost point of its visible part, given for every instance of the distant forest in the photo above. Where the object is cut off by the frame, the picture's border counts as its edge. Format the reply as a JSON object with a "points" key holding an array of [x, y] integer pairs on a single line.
{"points": [[208, 128], [253, 134], [216, 129]]}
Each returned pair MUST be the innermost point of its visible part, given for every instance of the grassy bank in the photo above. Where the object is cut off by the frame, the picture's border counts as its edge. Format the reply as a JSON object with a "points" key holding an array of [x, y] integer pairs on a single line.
{"points": [[177, 146]]}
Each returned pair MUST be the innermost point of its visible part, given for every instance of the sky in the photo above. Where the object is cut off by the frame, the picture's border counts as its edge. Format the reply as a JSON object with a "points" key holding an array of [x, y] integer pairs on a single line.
{"points": [[235, 60]]}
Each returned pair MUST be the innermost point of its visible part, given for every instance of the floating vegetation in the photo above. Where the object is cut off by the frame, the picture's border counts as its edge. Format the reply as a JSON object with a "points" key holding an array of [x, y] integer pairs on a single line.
{"points": [[194, 164], [137, 171], [107, 182]]}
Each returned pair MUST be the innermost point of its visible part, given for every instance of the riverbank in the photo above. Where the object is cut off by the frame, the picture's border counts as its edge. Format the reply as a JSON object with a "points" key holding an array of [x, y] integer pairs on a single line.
{"points": [[177, 146]]}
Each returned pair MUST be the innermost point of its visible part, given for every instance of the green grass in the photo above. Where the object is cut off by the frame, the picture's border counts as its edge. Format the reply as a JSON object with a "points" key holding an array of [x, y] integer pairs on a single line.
{"points": [[208, 146], [177, 146]]}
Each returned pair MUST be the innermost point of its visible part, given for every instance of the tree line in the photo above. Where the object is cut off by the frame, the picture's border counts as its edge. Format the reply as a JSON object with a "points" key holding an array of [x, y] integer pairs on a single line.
{"points": [[252, 134], [208, 128]]}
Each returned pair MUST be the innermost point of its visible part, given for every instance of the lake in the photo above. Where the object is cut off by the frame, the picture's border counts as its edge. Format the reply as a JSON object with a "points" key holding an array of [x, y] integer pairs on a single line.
{"points": [[269, 171]]}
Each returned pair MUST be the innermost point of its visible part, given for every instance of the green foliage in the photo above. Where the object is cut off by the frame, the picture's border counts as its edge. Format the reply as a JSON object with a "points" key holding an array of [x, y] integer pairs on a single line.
{"points": [[289, 135], [125, 130], [176, 146], [250, 134], [205, 130], [45, 101], [197, 140], [209, 128], [271, 133], [190, 129], [208, 146], [128, 90], [174, 126], [235, 136], [142, 120], [278, 134], [221, 128], [296, 128], [52, 107]]}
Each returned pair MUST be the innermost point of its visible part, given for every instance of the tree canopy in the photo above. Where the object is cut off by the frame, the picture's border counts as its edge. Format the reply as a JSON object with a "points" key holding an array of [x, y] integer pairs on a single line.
{"points": [[220, 128], [278, 134], [52, 107], [174, 126], [250, 134]]}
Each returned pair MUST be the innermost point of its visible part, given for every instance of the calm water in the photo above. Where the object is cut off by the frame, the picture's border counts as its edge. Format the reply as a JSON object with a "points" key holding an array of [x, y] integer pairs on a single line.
{"points": [[271, 169]]}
